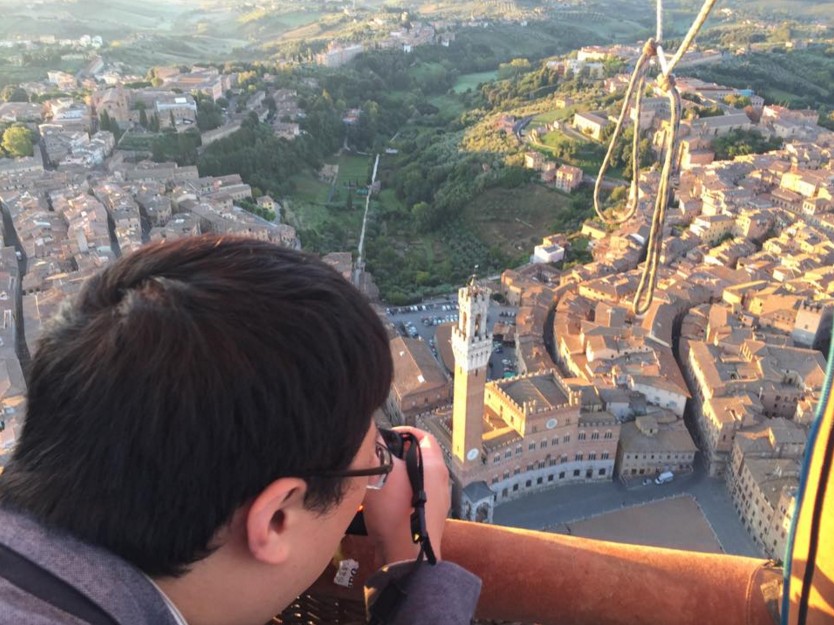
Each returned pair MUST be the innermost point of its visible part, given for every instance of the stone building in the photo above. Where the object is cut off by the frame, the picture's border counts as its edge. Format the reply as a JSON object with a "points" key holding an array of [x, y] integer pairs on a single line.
{"points": [[654, 443], [419, 384], [507, 438], [763, 478]]}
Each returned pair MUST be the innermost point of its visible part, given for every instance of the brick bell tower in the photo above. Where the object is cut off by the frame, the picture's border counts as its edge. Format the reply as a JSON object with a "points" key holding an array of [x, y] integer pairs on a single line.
{"points": [[472, 346]]}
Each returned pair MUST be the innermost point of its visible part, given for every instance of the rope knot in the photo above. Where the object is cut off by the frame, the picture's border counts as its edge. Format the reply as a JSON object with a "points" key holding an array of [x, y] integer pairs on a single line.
{"points": [[666, 82]]}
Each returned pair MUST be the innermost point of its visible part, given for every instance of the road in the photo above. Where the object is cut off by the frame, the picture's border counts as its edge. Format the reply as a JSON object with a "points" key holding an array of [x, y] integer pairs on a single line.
{"points": [[520, 125], [360, 262], [566, 504], [607, 183]]}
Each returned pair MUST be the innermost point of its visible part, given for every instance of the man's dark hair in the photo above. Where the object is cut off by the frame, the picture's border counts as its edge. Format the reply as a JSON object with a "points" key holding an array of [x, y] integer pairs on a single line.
{"points": [[183, 380]]}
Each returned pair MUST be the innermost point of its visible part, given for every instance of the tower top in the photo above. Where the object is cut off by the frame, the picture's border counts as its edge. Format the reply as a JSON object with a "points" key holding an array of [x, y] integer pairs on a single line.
{"points": [[473, 292], [473, 278], [472, 288]]}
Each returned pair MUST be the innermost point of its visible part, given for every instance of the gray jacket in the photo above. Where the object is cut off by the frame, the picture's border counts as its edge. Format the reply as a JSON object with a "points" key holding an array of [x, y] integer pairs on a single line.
{"points": [[443, 595]]}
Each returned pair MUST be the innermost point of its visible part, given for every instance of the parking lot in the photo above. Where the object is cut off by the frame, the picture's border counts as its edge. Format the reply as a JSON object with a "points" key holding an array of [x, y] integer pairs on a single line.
{"points": [[420, 321]]}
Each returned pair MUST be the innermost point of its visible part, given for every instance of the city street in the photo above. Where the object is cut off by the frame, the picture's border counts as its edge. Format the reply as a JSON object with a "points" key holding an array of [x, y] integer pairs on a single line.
{"points": [[566, 504], [570, 503]]}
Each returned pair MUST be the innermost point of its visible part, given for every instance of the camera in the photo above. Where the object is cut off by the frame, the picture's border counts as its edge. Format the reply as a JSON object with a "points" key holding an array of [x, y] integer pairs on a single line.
{"points": [[396, 443]]}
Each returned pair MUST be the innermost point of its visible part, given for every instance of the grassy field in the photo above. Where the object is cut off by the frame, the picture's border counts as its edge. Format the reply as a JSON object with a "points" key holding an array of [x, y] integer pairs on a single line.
{"points": [[515, 220], [353, 167], [471, 81], [450, 106], [800, 79], [551, 116], [110, 19], [353, 173], [316, 207], [792, 9], [497, 229], [555, 139], [170, 50], [11, 73], [309, 189], [156, 32], [608, 26], [588, 156], [299, 18]]}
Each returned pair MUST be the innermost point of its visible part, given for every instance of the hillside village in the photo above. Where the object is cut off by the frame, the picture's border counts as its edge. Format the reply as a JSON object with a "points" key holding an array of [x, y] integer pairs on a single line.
{"points": [[730, 346], [726, 362]]}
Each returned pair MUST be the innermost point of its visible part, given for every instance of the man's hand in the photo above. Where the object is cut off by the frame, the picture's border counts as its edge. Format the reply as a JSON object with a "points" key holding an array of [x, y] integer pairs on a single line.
{"points": [[388, 511]]}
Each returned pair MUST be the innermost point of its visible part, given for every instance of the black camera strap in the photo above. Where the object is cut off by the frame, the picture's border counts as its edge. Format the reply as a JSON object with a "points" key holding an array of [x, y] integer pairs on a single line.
{"points": [[419, 532], [391, 597]]}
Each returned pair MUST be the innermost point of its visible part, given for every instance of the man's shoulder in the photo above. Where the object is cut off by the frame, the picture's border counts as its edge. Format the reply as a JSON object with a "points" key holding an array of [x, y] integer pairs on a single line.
{"points": [[18, 607], [113, 584], [446, 594]]}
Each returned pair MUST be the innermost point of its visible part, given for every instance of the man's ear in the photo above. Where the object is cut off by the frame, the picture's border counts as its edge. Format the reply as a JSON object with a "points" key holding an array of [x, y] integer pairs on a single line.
{"points": [[273, 517]]}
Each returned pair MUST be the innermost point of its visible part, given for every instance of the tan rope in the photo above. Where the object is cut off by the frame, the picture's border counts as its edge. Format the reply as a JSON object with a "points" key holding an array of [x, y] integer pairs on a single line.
{"points": [[636, 86], [648, 281], [690, 36]]}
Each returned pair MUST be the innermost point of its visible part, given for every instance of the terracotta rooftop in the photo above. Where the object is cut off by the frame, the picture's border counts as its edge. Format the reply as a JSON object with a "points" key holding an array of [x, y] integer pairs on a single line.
{"points": [[415, 368], [673, 437]]}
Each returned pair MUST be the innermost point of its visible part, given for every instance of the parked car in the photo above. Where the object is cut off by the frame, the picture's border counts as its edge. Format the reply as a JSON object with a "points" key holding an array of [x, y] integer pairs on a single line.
{"points": [[663, 478]]}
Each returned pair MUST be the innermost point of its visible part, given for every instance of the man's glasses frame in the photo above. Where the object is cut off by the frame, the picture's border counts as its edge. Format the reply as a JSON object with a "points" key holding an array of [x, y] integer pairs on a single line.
{"points": [[386, 465]]}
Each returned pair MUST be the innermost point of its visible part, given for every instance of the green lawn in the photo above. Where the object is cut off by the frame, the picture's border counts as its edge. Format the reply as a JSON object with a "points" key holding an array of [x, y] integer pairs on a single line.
{"points": [[550, 116], [12, 73], [353, 168], [555, 139], [450, 106], [471, 81], [353, 173], [299, 18], [611, 27], [313, 208], [310, 189], [588, 156]]}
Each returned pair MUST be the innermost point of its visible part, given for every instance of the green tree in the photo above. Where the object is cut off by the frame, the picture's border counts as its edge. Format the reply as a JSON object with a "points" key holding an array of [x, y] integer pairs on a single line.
{"points": [[424, 216], [13, 93], [742, 142], [17, 141], [143, 118], [737, 101], [209, 114]]}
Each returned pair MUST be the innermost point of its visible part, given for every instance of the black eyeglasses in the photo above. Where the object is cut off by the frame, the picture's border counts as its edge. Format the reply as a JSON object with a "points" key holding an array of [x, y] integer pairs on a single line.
{"points": [[377, 474]]}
